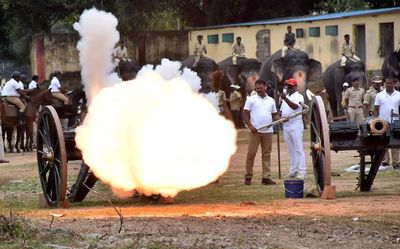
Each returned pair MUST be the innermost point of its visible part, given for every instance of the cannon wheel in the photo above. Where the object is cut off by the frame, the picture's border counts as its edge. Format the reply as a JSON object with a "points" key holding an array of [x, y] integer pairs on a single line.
{"points": [[320, 144], [51, 156]]}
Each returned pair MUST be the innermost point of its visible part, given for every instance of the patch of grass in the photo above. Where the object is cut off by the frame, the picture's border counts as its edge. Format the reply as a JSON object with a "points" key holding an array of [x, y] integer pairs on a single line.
{"points": [[14, 227]]}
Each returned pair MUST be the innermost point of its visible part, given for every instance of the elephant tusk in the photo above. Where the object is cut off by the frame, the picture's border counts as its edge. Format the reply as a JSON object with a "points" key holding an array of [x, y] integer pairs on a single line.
{"points": [[309, 94]]}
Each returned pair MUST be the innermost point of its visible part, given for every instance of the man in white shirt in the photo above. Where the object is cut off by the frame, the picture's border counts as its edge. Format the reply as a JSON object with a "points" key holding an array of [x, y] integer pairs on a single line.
{"points": [[259, 111], [293, 129], [34, 83], [386, 102], [56, 89], [200, 50], [12, 91]]}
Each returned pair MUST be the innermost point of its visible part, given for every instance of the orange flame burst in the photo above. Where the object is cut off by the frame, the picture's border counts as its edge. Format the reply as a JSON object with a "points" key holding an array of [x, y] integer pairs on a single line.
{"points": [[156, 136]]}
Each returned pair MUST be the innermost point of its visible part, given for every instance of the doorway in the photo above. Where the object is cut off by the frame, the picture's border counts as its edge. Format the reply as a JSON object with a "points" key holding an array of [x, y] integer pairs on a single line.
{"points": [[360, 47]]}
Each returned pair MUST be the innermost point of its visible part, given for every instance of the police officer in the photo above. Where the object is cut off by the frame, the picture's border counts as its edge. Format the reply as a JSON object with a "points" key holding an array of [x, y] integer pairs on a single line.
{"points": [[369, 98], [354, 101], [237, 50], [200, 50]]}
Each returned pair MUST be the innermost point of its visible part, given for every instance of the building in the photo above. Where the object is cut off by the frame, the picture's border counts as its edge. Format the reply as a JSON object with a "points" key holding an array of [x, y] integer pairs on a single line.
{"points": [[375, 33], [50, 52]]}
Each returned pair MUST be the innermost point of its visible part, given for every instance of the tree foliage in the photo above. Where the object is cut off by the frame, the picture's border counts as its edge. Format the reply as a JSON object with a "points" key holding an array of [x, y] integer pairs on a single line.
{"points": [[20, 19]]}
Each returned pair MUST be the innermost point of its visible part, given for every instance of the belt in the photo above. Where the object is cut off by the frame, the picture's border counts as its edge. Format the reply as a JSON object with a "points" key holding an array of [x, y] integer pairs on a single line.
{"points": [[355, 106]]}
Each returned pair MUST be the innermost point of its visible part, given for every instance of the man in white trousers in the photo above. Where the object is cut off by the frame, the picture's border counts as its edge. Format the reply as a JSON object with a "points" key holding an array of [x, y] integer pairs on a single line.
{"points": [[293, 129]]}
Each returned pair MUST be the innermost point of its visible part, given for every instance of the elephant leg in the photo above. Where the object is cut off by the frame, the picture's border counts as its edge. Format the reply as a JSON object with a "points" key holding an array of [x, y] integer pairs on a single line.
{"points": [[334, 107], [3, 130]]}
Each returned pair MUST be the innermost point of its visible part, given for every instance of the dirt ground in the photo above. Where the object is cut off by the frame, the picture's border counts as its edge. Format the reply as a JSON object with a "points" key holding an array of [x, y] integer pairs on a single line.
{"points": [[352, 220]]}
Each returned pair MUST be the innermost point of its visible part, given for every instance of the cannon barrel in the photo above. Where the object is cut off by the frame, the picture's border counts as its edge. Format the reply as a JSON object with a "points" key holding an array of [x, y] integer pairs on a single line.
{"points": [[377, 126]]}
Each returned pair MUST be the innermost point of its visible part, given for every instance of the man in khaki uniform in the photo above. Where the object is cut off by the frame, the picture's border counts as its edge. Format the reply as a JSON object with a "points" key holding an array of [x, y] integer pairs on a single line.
{"points": [[237, 50], [200, 50], [345, 87], [369, 98], [354, 101], [236, 102], [347, 51], [120, 53]]}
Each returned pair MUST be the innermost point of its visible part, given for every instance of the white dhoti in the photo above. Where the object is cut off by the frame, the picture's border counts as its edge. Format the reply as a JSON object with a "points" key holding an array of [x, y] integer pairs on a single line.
{"points": [[344, 59], [293, 136]]}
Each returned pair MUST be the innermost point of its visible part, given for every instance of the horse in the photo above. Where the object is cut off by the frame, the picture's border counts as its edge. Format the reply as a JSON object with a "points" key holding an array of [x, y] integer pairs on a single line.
{"points": [[9, 120]]}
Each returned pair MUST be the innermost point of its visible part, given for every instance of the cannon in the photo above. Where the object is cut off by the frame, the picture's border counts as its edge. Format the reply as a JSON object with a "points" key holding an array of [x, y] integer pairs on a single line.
{"points": [[55, 148], [370, 139]]}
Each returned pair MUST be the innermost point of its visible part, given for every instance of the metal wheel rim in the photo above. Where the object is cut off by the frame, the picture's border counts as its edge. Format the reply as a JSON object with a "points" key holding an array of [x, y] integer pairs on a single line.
{"points": [[319, 132], [51, 156]]}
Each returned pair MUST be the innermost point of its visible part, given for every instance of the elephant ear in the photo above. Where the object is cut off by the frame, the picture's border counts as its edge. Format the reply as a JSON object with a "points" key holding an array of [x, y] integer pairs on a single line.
{"points": [[233, 74], [278, 68], [393, 64], [314, 70]]}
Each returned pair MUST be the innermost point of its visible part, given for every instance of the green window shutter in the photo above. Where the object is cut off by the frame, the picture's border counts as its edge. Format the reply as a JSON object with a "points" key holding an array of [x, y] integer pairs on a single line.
{"points": [[314, 32], [299, 33], [331, 30], [227, 37], [212, 39]]}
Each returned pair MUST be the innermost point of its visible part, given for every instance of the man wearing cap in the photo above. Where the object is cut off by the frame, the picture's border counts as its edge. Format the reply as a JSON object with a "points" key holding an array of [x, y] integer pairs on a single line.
{"points": [[235, 102], [345, 86], [293, 129], [259, 111], [354, 97], [199, 50], [369, 98], [386, 102], [237, 50], [12, 91]]}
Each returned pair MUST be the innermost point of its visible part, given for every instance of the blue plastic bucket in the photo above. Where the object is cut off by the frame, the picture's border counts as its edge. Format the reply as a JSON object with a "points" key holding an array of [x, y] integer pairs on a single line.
{"points": [[294, 188]]}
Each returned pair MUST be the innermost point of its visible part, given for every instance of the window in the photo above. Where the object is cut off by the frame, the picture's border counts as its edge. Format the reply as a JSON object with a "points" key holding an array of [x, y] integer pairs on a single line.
{"points": [[299, 33], [386, 39], [227, 37], [314, 32], [331, 30], [212, 39]]}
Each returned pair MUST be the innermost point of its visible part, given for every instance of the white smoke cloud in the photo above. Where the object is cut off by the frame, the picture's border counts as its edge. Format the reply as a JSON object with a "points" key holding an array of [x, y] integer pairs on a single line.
{"points": [[155, 134], [98, 31]]}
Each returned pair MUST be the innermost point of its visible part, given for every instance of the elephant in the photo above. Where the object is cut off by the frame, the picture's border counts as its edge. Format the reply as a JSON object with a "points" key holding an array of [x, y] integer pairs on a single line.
{"points": [[335, 76], [239, 74], [296, 64], [204, 69], [391, 66]]}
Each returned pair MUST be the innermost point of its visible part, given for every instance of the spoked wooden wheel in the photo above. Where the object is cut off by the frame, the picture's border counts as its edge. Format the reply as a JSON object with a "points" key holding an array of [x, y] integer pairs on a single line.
{"points": [[51, 156], [320, 144]]}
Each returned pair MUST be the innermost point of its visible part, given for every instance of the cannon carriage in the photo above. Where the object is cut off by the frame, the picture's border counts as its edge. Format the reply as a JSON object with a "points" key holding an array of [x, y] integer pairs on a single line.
{"points": [[55, 148], [371, 139]]}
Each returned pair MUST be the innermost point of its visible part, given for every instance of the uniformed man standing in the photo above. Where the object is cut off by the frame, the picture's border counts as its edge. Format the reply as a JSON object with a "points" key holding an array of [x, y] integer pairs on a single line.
{"points": [[347, 51], [237, 50], [354, 97], [293, 129], [288, 41], [120, 53], [199, 50], [345, 87], [369, 98]]}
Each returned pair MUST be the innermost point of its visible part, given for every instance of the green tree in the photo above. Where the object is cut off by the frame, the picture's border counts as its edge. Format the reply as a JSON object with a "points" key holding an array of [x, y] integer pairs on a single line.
{"points": [[333, 6]]}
